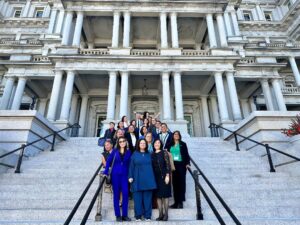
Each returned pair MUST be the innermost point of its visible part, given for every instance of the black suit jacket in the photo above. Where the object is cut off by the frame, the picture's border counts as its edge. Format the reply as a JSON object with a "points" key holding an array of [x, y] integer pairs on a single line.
{"points": [[184, 153], [128, 137], [109, 134], [167, 144]]}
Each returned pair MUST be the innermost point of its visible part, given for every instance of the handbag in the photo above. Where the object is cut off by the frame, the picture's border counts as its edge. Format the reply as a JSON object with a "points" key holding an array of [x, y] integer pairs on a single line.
{"points": [[171, 161], [108, 178], [101, 141]]}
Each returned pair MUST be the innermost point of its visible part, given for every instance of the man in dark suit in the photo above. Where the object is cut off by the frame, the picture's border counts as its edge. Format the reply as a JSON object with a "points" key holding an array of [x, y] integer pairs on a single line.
{"points": [[157, 130], [110, 132], [131, 137], [165, 136]]}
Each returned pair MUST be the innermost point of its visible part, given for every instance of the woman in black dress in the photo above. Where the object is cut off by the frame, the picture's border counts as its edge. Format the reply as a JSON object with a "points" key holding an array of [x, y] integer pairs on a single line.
{"points": [[162, 170]]}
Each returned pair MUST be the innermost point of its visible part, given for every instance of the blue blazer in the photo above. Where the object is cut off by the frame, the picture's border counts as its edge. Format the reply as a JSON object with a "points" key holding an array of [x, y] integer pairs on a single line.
{"points": [[141, 171], [120, 167]]}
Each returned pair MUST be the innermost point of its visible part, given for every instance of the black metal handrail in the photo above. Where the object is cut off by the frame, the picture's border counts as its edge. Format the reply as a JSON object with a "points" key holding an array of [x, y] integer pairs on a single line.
{"points": [[23, 146], [221, 200], [79, 201], [215, 133]]}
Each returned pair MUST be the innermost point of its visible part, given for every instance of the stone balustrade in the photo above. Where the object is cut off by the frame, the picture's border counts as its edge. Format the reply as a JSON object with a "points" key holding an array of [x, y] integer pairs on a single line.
{"points": [[248, 60], [291, 90], [19, 42], [40, 58], [94, 52], [145, 52], [196, 53]]}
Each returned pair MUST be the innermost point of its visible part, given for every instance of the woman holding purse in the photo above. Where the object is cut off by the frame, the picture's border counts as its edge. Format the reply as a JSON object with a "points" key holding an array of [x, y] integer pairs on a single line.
{"points": [[162, 171], [117, 167]]}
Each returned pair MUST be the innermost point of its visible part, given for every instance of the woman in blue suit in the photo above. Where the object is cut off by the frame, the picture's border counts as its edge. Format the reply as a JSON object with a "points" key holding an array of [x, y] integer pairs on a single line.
{"points": [[142, 181], [119, 159]]}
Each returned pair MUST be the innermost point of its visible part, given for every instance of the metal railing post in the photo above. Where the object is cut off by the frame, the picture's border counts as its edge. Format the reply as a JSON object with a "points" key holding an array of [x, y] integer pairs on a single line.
{"points": [[199, 215], [211, 130], [98, 216], [53, 141], [18, 167], [236, 141], [272, 169]]}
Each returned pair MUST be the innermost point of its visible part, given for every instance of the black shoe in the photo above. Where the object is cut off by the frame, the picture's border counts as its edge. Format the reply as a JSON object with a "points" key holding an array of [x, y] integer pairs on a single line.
{"points": [[126, 218], [160, 218], [174, 206], [165, 218], [119, 219], [180, 205]]}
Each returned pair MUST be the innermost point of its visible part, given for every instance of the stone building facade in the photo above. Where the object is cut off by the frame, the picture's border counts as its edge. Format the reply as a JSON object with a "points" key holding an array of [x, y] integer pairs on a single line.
{"points": [[193, 61]]}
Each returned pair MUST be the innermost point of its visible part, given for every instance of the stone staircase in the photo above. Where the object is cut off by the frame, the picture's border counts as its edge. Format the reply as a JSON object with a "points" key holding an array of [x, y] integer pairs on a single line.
{"points": [[50, 184]]}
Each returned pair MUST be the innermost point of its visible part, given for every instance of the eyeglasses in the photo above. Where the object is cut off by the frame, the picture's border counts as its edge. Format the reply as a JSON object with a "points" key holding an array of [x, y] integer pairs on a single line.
{"points": [[121, 142]]}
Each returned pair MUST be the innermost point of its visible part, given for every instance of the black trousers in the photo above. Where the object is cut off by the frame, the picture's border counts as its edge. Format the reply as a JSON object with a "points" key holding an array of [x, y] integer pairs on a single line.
{"points": [[179, 182]]}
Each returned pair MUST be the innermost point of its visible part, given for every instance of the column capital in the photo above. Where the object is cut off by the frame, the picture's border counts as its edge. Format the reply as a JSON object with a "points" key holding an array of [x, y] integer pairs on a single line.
{"points": [[124, 73], [71, 72], [165, 74], [163, 13], [173, 13], [116, 13], [218, 73], [111, 73], [126, 13], [177, 73]]}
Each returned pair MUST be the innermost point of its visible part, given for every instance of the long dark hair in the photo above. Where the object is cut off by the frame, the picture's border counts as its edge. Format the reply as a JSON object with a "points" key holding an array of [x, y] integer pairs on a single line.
{"points": [[145, 115], [123, 117], [161, 144], [141, 131], [118, 144], [137, 146], [173, 141]]}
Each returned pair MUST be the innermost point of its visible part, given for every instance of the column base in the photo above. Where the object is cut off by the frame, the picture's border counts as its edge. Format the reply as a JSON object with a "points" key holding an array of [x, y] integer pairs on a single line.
{"points": [[119, 51], [66, 50], [170, 51], [61, 124], [222, 51], [180, 125]]}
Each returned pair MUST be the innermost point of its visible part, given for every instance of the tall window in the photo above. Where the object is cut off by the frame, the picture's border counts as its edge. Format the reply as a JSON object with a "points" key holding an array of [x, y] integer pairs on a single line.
{"points": [[247, 15], [39, 12], [268, 16], [17, 12]]}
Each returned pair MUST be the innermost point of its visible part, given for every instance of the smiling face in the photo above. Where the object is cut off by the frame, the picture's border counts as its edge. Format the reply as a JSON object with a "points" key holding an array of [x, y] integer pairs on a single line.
{"points": [[121, 124], [148, 137], [164, 128], [157, 145], [142, 145], [108, 146], [120, 133], [130, 129], [122, 142]]}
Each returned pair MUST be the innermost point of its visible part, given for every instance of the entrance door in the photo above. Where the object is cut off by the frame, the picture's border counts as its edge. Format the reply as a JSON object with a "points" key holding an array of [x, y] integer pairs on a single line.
{"points": [[189, 119], [99, 125]]}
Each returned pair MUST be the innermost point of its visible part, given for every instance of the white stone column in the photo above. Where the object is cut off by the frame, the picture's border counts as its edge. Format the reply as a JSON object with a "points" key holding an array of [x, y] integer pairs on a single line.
{"points": [[178, 96], [19, 93], [222, 32], [166, 95], [2, 2], [126, 33], [174, 30], [236, 110], [67, 28], [73, 111], [82, 115], [228, 24], [4, 9], [111, 99], [221, 96], [211, 31], [115, 33], [295, 70], [54, 95], [26, 8], [7, 93], [235, 23], [259, 12], [205, 113], [42, 106], [60, 21], [267, 94], [245, 107], [52, 21], [124, 94], [78, 29], [252, 104], [214, 108], [66, 104], [163, 30], [278, 95]]}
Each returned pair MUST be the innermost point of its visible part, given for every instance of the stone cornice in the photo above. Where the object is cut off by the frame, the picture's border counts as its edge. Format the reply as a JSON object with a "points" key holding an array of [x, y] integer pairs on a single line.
{"points": [[24, 22]]}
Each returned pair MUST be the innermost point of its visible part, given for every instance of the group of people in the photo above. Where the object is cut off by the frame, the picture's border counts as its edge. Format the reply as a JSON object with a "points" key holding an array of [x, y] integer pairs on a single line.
{"points": [[144, 158]]}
